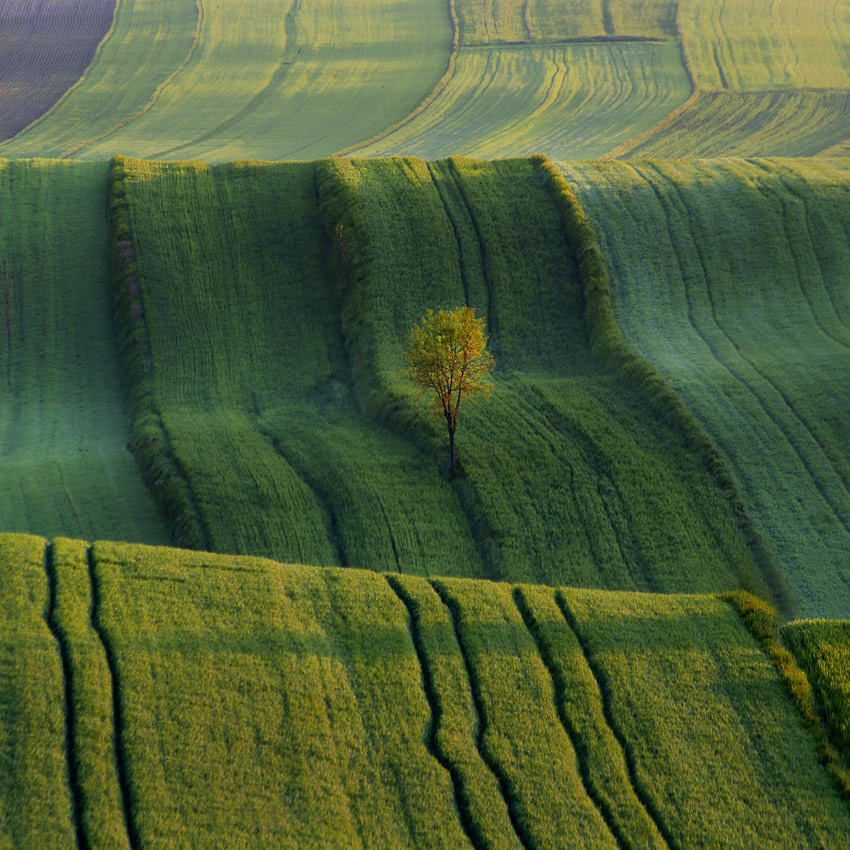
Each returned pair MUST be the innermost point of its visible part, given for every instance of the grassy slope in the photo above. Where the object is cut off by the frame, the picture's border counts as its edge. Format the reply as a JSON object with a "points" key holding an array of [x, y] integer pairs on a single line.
{"points": [[265, 80], [291, 706], [63, 431], [773, 79], [253, 384], [822, 649], [566, 477], [731, 279], [35, 798]]}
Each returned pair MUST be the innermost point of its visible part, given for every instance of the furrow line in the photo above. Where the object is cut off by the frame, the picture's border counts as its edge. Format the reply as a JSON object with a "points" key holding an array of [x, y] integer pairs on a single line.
{"points": [[492, 320], [607, 712], [117, 716], [559, 687], [334, 533], [155, 96], [62, 641], [467, 820], [455, 228], [844, 520], [481, 716]]}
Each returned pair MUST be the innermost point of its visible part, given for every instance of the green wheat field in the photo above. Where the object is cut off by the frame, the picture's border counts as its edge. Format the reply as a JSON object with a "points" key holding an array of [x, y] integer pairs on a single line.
{"points": [[243, 603]]}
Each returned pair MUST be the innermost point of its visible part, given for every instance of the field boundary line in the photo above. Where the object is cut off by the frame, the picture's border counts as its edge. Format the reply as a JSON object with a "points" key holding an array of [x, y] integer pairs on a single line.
{"points": [[62, 642], [429, 98], [117, 719], [604, 691], [157, 91], [432, 740], [95, 56], [607, 343], [558, 690], [482, 725], [626, 147]]}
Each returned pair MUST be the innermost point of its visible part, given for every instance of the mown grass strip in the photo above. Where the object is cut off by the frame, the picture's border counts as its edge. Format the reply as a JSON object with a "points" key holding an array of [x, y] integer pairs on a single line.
{"points": [[149, 440], [101, 815], [763, 622], [583, 711], [36, 803], [68, 685], [609, 345]]}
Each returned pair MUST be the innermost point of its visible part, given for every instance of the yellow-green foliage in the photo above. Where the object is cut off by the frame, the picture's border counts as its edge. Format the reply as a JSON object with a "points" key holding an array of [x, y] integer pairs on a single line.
{"points": [[730, 278], [35, 798], [251, 384], [64, 463], [700, 706], [269, 79], [822, 648], [566, 476]]}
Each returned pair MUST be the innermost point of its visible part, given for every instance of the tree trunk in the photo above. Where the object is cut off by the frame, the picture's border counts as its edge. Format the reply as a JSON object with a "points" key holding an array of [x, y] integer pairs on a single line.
{"points": [[451, 453]]}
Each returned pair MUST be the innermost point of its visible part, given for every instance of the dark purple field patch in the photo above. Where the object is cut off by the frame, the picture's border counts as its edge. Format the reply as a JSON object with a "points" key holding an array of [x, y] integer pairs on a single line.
{"points": [[45, 45]]}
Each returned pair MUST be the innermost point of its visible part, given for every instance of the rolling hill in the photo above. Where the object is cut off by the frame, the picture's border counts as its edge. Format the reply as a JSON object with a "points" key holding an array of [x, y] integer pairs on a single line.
{"points": [[304, 707]]}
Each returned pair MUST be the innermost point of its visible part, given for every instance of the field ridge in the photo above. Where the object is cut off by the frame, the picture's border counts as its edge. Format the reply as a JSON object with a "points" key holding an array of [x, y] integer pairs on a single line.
{"points": [[559, 698], [604, 687], [127, 797], [488, 757], [68, 711]]}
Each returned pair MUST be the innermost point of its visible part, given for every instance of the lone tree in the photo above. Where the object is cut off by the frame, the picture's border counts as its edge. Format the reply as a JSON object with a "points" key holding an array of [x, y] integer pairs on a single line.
{"points": [[447, 353]]}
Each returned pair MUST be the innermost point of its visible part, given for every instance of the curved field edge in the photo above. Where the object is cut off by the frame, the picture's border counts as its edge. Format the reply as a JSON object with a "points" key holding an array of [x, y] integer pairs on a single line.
{"points": [[729, 276], [354, 709]]}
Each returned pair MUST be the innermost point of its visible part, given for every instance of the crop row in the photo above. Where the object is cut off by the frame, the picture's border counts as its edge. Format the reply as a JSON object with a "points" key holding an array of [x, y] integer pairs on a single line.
{"points": [[302, 707]]}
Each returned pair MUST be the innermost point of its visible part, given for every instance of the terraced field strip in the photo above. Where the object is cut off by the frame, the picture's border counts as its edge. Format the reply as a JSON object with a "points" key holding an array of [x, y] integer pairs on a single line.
{"points": [[822, 649], [571, 101], [44, 49], [730, 278], [252, 382], [37, 807], [699, 705], [283, 707], [565, 474], [63, 430], [274, 80]]}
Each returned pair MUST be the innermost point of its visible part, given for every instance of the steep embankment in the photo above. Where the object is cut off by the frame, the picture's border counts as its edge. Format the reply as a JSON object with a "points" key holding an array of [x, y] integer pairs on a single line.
{"points": [[235, 281], [293, 706], [64, 462], [567, 477], [731, 279]]}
